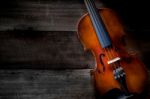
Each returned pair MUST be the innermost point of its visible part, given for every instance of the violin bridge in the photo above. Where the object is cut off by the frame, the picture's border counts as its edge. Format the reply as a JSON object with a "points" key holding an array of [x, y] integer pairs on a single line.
{"points": [[113, 60]]}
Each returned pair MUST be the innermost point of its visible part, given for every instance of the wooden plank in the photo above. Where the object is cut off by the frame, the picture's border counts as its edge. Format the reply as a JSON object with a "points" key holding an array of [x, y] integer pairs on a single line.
{"points": [[55, 50], [43, 15], [62, 15], [46, 84], [42, 50]]}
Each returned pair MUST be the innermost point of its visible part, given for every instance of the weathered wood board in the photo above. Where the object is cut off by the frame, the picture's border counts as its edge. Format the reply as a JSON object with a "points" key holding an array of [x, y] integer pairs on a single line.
{"points": [[47, 84], [53, 50], [43, 15], [42, 50]]}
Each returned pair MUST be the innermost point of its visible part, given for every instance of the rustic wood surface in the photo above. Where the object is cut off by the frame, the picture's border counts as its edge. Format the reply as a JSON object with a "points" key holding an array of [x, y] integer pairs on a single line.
{"points": [[47, 84], [53, 50], [42, 50], [43, 15], [62, 15]]}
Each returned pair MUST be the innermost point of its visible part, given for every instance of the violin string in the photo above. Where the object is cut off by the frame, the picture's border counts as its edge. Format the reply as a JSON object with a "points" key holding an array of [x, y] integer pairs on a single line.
{"points": [[96, 18], [107, 50], [91, 6], [118, 65], [110, 53], [94, 14], [100, 23]]}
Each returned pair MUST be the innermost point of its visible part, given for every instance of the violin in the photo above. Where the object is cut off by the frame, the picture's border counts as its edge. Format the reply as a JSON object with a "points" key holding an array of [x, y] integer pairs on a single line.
{"points": [[101, 32]]}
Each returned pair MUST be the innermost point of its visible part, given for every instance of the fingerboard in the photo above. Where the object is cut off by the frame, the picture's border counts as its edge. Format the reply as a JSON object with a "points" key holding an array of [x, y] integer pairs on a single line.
{"points": [[98, 24]]}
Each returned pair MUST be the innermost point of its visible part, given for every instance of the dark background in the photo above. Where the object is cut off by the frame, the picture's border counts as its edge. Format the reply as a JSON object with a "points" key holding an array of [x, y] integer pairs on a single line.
{"points": [[136, 18], [40, 54]]}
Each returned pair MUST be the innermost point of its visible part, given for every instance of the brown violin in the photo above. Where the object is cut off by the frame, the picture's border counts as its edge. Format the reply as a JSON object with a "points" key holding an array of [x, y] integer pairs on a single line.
{"points": [[101, 32]]}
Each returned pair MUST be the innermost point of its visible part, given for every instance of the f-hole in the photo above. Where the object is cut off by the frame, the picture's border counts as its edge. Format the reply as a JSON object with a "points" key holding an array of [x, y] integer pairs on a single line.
{"points": [[101, 61]]}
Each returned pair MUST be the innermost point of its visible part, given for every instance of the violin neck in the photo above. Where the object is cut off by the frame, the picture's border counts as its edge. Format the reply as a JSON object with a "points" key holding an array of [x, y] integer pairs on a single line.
{"points": [[98, 24]]}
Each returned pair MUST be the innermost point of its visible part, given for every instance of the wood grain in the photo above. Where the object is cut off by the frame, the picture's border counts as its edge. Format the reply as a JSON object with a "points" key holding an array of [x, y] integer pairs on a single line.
{"points": [[46, 84], [43, 15], [54, 50], [42, 50]]}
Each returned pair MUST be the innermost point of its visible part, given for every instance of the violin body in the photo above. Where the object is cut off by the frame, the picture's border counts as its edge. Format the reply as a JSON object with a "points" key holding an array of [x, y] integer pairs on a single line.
{"points": [[103, 74]]}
